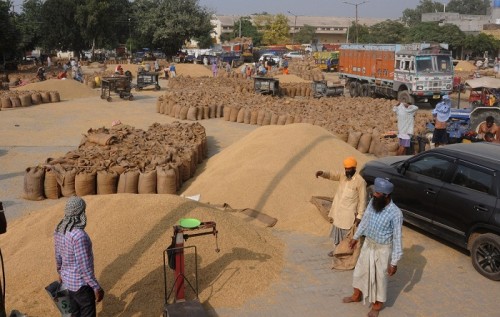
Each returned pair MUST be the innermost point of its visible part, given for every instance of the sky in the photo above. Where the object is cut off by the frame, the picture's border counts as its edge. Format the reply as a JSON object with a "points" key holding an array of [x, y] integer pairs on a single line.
{"points": [[390, 9]]}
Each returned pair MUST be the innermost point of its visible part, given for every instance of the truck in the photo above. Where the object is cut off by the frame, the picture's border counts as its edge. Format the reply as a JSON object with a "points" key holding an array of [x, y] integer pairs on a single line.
{"points": [[419, 72], [321, 59]]}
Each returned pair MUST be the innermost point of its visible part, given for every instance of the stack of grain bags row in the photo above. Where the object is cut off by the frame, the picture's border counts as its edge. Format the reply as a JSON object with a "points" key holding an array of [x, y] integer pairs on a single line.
{"points": [[15, 99], [122, 159]]}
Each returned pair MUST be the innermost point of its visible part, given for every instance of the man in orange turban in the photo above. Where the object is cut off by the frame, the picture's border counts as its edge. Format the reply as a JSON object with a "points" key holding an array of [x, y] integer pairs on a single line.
{"points": [[349, 202]]}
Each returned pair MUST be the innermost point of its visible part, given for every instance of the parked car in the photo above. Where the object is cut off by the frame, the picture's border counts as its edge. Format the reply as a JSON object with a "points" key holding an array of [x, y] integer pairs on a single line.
{"points": [[452, 192], [275, 58], [294, 54]]}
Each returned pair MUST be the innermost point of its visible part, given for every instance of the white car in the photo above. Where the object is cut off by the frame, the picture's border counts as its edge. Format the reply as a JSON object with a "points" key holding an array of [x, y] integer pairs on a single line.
{"points": [[275, 58], [294, 54]]}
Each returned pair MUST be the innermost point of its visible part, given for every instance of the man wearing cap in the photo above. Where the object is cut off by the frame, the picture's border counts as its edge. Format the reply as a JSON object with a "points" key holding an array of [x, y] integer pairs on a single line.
{"points": [[405, 114], [441, 114], [349, 201], [382, 228], [75, 260]]}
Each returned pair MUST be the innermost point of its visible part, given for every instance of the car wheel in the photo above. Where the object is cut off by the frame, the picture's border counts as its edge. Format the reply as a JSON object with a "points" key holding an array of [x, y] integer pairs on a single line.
{"points": [[485, 254]]}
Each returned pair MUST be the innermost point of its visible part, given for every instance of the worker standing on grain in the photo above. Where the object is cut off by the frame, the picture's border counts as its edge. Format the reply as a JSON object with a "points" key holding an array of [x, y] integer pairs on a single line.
{"points": [[75, 260], [349, 202]]}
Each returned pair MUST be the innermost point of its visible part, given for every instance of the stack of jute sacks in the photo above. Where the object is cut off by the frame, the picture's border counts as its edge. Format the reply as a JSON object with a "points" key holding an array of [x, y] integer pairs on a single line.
{"points": [[122, 159]]}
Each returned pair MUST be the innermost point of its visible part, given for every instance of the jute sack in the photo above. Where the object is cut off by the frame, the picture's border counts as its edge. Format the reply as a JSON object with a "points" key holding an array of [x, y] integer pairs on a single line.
{"points": [[54, 96], [183, 113], [68, 183], [199, 113], [45, 96], [353, 139], [289, 119], [253, 117], [282, 119], [274, 118], [36, 98], [227, 113], [347, 261], [25, 100], [16, 102], [260, 116], [213, 110], [241, 115], [219, 113], [51, 188], [364, 142], [34, 183], [159, 101], [267, 118], [233, 115], [85, 183], [191, 114], [6, 103], [248, 116], [166, 179], [177, 111], [206, 112], [186, 168], [128, 182], [107, 182], [147, 182]]}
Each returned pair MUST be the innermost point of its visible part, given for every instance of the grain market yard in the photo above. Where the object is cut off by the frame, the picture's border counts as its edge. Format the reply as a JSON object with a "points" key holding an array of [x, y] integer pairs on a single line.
{"points": [[282, 271]]}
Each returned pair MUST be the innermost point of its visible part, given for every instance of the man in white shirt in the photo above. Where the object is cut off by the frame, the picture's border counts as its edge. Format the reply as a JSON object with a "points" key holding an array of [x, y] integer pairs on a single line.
{"points": [[405, 114]]}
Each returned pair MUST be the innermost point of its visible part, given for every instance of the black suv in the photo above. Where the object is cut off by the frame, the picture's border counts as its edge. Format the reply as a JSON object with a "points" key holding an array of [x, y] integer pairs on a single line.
{"points": [[452, 192]]}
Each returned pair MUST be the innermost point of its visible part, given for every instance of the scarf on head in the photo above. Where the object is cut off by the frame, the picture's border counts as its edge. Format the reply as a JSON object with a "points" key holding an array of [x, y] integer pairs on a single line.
{"points": [[74, 215]]}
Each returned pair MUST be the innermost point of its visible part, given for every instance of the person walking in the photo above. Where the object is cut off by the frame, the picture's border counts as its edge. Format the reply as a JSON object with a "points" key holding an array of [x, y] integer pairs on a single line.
{"points": [[349, 202], [441, 114], [382, 248], [75, 260], [172, 70], [405, 114], [214, 68]]}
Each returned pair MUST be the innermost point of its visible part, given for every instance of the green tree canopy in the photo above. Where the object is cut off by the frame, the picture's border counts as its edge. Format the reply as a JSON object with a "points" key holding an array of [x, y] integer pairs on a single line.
{"points": [[29, 24], [305, 35], [479, 7], [167, 24], [386, 32], [247, 30], [277, 31], [9, 34], [412, 17], [478, 44], [358, 33]]}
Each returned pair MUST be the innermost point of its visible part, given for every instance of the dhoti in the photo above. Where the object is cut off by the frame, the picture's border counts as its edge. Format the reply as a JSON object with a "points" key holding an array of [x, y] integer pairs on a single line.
{"points": [[370, 273]]}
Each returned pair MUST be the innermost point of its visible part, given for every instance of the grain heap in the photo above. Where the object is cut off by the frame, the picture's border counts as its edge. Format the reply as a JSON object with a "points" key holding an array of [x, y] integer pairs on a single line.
{"points": [[122, 160], [272, 170], [352, 119], [129, 236]]}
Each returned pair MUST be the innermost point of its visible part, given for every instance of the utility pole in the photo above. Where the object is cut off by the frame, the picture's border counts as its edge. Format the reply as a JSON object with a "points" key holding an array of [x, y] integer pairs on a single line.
{"points": [[356, 23], [129, 39], [239, 35], [294, 27]]}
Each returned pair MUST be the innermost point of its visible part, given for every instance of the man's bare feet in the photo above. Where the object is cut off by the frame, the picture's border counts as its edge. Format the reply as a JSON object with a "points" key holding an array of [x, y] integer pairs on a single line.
{"points": [[373, 313], [349, 300]]}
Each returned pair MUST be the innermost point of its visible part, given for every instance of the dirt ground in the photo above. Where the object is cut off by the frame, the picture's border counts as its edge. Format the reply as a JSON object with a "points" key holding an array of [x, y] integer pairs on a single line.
{"points": [[434, 279]]}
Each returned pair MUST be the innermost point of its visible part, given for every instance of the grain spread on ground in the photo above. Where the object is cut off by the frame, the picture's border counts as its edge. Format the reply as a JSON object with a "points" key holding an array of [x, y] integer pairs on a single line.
{"points": [[272, 170], [129, 236]]}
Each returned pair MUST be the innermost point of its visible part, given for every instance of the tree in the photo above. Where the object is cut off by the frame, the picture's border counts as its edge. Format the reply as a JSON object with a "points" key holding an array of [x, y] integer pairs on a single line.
{"points": [[276, 32], [478, 44], [102, 23], [475, 7], [306, 34], [58, 25], [388, 31], [412, 17], [168, 24], [9, 34], [29, 24], [361, 31], [247, 30]]}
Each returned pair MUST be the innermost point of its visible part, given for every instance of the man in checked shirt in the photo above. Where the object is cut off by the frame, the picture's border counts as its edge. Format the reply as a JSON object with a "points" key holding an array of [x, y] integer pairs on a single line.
{"points": [[75, 260], [382, 249]]}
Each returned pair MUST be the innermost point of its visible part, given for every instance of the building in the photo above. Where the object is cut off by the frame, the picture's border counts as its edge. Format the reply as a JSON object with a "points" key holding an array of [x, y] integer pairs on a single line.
{"points": [[328, 29]]}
